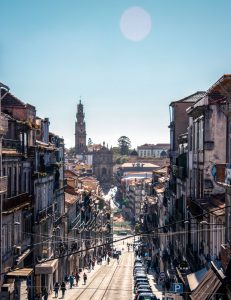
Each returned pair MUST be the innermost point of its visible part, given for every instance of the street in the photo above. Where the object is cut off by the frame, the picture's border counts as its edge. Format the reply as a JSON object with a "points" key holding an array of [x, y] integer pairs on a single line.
{"points": [[113, 281]]}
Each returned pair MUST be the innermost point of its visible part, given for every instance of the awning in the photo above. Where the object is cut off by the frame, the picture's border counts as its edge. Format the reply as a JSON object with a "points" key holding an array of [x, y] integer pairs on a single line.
{"points": [[210, 284], [24, 272], [194, 279], [47, 267]]}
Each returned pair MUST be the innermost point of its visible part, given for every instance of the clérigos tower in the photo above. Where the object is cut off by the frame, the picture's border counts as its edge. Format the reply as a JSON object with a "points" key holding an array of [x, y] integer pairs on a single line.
{"points": [[80, 131]]}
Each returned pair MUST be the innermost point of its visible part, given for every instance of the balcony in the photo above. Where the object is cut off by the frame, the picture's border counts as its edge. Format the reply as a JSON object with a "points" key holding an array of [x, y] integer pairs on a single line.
{"points": [[3, 184], [16, 202], [3, 125], [12, 144]]}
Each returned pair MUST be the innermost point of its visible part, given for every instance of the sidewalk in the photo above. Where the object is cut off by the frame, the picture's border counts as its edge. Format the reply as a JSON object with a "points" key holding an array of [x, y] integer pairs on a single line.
{"points": [[157, 289], [70, 294]]}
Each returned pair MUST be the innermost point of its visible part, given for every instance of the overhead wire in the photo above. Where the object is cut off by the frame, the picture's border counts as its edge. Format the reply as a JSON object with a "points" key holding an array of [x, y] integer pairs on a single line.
{"points": [[152, 231]]}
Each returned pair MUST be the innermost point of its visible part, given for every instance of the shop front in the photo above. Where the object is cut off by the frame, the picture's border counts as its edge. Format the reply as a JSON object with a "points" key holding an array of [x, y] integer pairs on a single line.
{"points": [[46, 274]]}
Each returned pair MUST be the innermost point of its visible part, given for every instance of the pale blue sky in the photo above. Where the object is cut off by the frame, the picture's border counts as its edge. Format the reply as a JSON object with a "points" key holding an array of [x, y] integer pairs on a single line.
{"points": [[54, 51]]}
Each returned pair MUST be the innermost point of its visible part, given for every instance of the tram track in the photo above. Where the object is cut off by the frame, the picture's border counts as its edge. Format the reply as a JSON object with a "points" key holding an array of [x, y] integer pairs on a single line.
{"points": [[94, 279], [94, 290]]}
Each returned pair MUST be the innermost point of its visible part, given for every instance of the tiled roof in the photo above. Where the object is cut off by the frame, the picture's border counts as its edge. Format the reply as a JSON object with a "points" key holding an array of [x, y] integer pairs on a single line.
{"points": [[191, 98], [10, 99], [70, 199]]}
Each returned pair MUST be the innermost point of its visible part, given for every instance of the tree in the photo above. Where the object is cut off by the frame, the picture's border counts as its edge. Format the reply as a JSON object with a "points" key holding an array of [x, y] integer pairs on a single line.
{"points": [[134, 152], [71, 151], [90, 142], [124, 145]]}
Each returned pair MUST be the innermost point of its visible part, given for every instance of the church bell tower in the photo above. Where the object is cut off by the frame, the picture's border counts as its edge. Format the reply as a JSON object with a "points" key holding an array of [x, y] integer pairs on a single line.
{"points": [[80, 131]]}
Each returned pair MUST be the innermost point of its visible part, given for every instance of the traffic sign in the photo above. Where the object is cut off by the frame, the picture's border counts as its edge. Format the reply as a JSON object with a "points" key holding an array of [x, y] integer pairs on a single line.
{"points": [[178, 288], [162, 275]]}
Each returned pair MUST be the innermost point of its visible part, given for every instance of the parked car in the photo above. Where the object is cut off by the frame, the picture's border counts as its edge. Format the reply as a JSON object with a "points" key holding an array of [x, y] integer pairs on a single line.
{"points": [[138, 270], [140, 276], [138, 260], [137, 264], [140, 281], [142, 290], [142, 286], [146, 296]]}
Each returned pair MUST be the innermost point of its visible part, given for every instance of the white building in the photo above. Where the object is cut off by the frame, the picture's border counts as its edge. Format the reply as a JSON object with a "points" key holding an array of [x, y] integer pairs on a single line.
{"points": [[151, 150]]}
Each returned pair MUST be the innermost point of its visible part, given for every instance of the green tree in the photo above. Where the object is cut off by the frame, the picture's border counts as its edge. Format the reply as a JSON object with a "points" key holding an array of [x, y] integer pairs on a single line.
{"points": [[90, 142], [134, 152], [71, 151], [124, 144]]}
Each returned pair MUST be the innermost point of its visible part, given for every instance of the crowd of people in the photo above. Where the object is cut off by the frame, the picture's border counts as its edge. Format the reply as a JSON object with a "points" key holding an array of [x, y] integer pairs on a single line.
{"points": [[70, 280], [74, 278]]}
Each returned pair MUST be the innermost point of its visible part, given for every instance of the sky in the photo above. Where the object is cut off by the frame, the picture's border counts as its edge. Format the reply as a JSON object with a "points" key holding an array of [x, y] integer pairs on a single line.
{"points": [[126, 60]]}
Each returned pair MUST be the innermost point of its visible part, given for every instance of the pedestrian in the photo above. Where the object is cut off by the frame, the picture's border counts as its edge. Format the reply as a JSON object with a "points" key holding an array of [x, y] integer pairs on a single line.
{"points": [[45, 293], [71, 279], [93, 264], [56, 289], [118, 258], [66, 279], [77, 278], [63, 288], [84, 278], [89, 265], [108, 260]]}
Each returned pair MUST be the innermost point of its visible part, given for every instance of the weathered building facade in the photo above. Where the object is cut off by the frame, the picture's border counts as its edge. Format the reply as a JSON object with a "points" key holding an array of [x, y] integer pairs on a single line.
{"points": [[103, 165]]}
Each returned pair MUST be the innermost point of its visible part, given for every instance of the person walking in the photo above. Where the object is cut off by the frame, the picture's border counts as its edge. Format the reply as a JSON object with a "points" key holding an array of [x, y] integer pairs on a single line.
{"points": [[89, 265], [108, 260], [118, 258], [84, 278], [56, 289], [77, 278], [45, 294], [93, 264], [71, 279], [63, 288]]}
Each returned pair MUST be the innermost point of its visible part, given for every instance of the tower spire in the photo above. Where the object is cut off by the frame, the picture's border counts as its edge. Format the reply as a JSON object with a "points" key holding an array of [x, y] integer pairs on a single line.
{"points": [[80, 130]]}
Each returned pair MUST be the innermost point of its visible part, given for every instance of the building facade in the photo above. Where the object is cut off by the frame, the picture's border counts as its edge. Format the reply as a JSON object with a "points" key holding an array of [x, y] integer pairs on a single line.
{"points": [[103, 165], [151, 150]]}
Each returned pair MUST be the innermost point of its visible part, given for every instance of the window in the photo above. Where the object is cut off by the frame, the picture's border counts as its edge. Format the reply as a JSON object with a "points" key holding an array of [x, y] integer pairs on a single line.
{"points": [[15, 182], [190, 138], [200, 134], [9, 181], [4, 239]]}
